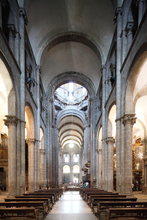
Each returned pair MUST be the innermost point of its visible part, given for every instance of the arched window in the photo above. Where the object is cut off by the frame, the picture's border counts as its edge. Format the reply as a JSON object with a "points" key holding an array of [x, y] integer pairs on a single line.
{"points": [[66, 169], [76, 169]]}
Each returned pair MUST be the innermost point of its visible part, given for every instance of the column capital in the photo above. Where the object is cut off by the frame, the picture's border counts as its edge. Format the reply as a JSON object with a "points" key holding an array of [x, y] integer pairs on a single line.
{"points": [[110, 140], [129, 119], [10, 119], [30, 140]]}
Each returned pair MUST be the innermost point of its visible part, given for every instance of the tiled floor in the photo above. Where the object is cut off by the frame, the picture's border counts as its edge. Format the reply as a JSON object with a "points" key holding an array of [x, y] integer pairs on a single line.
{"points": [[71, 207]]}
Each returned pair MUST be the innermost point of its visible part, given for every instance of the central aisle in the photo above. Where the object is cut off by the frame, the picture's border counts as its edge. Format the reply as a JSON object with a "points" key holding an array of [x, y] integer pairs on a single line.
{"points": [[71, 207]]}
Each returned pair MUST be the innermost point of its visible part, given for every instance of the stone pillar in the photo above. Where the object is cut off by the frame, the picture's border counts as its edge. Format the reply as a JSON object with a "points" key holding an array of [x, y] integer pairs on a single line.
{"points": [[42, 176], [128, 121], [22, 98], [11, 122], [118, 96], [100, 168], [93, 135], [141, 9], [37, 161], [110, 146], [31, 164], [129, 33], [104, 129]]}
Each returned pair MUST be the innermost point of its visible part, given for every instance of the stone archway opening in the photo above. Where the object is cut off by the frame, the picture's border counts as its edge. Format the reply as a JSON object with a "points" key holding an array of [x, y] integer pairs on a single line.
{"points": [[29, 150], [136, 96], [71, 105], [110, 140], [6, 93]]}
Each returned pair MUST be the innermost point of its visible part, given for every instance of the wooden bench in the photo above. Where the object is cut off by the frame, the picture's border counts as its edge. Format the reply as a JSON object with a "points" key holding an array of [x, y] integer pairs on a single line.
{"points": [[96, 201], [127, 212], [41, 206], [102, 207], [45, 200], [50, 198], [18, 212], [86, 195], [91, 198]]}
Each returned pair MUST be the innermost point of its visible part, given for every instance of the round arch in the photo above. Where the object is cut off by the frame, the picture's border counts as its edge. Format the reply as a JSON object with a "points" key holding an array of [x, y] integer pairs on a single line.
{"points": [[70, 76], [29, 117], [50, 42]]}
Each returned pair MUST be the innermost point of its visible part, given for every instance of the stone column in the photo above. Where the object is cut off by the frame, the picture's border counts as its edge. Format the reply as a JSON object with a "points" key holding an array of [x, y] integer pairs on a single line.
{"points": [[31, 164], [110, 145], [118, 97], [104, 127], [93, 135], [128, 121], [11, 122], [129, 33], [141, 9], [42, 176], [100, 168], [22, 98]]}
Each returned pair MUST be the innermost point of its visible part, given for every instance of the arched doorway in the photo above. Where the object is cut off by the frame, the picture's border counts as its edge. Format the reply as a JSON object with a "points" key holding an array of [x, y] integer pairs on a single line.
{"points": [[136, 96], [42, 160], [6, 90], [100, 165], [111, 149], [30, 150]]}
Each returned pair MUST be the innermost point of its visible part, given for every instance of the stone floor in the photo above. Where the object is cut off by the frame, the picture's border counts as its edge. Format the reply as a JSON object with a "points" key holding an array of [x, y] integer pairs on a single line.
{"points": [[71, 207]]}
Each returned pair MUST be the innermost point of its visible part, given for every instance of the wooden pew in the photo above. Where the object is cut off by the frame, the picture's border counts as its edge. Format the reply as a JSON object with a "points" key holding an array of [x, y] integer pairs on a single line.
{"points": [[95, 202], [19, 212], [41, 206], [49, 197], [91, 198], [102, 207], [116, 213], [45, 200]]}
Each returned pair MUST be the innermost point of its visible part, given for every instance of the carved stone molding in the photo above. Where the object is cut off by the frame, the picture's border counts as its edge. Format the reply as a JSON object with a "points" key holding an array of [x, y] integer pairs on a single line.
{"points": [[11, 119], [129, 119], [30, 140], [110, 140]]}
